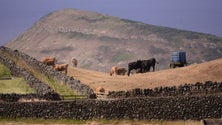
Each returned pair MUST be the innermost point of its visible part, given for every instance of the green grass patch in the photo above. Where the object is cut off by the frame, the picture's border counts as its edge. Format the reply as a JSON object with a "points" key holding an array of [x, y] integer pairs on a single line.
{"points": [[16, 85], [58, 87], [4, 71]]}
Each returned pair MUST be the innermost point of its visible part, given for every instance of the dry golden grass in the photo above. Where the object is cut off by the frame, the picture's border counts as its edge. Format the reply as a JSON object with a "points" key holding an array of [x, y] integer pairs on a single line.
{"points": [[209, 71]]}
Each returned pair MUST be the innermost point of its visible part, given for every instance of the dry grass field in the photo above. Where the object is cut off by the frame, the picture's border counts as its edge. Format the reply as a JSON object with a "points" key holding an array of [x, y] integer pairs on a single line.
{"points": [[209, 71]]}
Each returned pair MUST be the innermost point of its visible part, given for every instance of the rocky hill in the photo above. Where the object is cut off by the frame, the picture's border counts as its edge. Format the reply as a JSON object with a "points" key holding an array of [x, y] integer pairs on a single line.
{"points": [[100, 41]]}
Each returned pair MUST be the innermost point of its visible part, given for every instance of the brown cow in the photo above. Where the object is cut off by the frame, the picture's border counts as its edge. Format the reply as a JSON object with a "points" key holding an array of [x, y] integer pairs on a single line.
{"points": [[50, 61], [100, 90], [112, 71], [117, 71], [74, 62], [61, 67]]}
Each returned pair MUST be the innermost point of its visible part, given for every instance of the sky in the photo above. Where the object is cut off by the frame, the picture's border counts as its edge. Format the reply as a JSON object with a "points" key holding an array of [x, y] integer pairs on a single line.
{"points": [[204, 16]]}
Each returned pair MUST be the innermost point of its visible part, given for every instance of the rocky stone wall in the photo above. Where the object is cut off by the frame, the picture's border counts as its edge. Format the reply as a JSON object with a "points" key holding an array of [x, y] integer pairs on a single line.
{"points": [[167, 108], [76, 85], [198, 88], [16, 97]]}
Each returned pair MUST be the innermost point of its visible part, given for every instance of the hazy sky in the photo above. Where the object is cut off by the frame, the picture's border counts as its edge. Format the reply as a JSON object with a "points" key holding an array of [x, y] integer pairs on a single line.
{"points": [[205, 16]]}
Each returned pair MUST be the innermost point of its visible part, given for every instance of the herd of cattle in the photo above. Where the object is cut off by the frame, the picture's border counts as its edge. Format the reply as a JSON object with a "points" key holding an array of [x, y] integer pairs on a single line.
{"points": [[51, 61], [140, 66]]}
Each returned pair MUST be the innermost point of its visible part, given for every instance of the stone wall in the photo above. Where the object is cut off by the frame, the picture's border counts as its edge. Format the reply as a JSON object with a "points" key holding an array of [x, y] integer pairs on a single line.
{"points": [[198, 88], [167, 108], [16, 97], [76, 85]]}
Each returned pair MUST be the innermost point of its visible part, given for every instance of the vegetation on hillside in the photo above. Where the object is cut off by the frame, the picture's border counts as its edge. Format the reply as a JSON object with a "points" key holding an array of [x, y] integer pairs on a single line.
{"points": [[120, 56], [4, 72], [16, 85], [170, 34]]}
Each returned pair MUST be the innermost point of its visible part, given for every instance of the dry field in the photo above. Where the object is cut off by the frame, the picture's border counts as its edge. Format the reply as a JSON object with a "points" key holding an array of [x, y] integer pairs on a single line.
{"points": [[209, 71]]}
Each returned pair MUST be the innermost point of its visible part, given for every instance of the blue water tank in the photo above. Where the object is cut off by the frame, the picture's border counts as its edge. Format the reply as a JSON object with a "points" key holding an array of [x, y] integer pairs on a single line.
{"points": [[175, 57], [179, 57], [182, 56]]}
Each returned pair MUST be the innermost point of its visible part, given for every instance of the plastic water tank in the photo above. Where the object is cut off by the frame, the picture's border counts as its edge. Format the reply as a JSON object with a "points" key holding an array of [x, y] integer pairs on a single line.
{"points": [[182, 56], [175, 57], [179, 57]]}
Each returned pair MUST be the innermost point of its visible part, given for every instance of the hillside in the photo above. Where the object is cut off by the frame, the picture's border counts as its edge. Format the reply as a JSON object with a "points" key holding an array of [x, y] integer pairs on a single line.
{"points": [[209, 71], [100, 41]]}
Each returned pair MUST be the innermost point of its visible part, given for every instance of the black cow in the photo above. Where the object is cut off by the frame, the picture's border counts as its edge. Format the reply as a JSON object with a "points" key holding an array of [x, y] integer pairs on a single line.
{"points": [[135, 65], [147, 64], [142, 65]]}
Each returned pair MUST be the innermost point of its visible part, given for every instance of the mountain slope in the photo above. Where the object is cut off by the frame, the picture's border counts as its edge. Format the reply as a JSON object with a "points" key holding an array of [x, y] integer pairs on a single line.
{"points": [[99, 41]]}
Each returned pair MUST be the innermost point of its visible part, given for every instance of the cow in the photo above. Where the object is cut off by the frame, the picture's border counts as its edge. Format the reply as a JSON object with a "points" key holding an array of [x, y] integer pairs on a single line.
{"points": [[147, 64], [121, 71], [61, 67], [50, 61], [135, 65], [142, 65], [117, 71], [112, 71], [100, 90], [74, 62]]}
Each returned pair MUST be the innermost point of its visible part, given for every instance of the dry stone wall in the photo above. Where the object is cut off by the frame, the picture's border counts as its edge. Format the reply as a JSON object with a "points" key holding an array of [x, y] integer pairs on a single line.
{"points": [[76, 85], [198, 88], [16, 97], [170, 108]]}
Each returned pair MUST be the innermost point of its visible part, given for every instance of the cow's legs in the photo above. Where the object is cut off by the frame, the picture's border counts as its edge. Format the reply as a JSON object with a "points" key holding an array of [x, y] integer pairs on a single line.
{"points": [[128, 72], [141, 70]]}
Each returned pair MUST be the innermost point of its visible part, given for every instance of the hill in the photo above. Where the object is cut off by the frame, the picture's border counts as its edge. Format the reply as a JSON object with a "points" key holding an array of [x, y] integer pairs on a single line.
{"points": [[100, 41], [209, 71]]}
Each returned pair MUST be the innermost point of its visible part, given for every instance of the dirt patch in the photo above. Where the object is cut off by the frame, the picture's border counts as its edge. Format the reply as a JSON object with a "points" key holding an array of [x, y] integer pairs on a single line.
{"points": [[31, 100]]}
